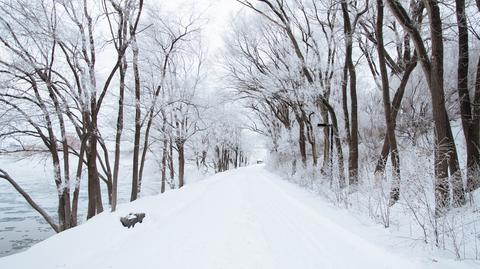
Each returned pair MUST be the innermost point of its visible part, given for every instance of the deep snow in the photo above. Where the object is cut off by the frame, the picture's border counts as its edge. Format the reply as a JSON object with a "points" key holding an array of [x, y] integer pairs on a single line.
{"points": [[244, 218]]}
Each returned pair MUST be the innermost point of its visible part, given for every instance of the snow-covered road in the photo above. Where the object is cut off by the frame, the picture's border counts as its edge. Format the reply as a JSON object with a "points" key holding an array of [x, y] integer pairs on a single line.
{"points": [[245, 218]]}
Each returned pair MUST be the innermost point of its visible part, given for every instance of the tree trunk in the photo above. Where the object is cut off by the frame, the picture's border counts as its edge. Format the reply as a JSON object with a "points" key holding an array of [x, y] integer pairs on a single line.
{"points": [[445, 142], [353, 142], [346, 117], [118, 134], [164, 165], [226, 159], [203, 160], [392, 141], [311, 139], [58, 184], [302, 140], [217, 162], [92, 176], [145, 148], [473, 181], [397, 101], [65, 196], [98, 190], [338, 143], [236, 157], [313, 147], [170, 162], [353, 153], [63, 186], [471, 141], [326, 140], [136, 143], [107, 169], [181, 163], [78, 177]]}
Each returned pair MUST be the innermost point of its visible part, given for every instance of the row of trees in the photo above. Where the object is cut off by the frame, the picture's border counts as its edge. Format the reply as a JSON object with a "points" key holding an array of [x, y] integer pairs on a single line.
{"points": [[297, 63], [84, 81]]}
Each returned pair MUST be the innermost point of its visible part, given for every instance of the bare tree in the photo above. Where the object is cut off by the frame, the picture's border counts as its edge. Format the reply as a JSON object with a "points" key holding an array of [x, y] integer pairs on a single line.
{"points": [[282, 20], [168, 39], [121, 41], [395, 189], [445, 153], [349, 68]]}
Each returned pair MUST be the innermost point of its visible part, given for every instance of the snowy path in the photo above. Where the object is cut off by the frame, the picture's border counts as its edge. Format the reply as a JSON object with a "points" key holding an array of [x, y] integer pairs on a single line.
{"points": [[244, 218]]}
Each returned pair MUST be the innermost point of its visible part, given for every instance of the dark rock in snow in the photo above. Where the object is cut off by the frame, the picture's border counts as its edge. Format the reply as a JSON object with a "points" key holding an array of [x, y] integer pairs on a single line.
{"points": [[131, 219]]}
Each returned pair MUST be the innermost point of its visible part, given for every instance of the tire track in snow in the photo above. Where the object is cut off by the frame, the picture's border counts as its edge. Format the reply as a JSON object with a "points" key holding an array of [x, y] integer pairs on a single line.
{"points": [[316, 235]]}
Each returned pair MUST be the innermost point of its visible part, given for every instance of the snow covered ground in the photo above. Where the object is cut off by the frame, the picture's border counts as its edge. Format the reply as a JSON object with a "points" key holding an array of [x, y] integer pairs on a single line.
{"points": [[244, 218]]}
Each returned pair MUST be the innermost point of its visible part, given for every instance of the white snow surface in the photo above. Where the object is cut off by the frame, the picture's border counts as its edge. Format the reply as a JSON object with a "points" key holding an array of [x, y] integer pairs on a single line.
{"points": [[244, 218]]}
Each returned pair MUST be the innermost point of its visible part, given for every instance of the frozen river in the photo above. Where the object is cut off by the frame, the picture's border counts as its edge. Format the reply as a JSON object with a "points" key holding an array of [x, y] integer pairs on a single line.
{"points": [[21, 226]]}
